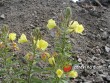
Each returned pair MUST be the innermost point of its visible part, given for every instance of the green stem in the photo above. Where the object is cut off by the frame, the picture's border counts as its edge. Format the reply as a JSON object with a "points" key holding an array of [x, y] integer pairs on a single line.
{"points": [[63, 43], [29, 77], [30, 64], [57, 80]]}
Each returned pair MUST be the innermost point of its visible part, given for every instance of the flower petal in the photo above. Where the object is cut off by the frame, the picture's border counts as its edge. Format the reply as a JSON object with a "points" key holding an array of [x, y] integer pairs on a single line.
{"points": [[59, 73], [23, 39]]}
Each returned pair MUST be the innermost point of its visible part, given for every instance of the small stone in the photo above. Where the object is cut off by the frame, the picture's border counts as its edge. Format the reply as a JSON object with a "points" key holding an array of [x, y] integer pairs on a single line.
{"points": [[2, 16], [79, 60], [88, 82], [1, 3], [75, 0], [109, 67], [109, 39], [107, 49], [94, 58], [108, 78], [100, 71], [31, 25], [104, 75], [101, 29], [104, 35], [99, 79], [52, 33], [102, 61], [85, 73]]}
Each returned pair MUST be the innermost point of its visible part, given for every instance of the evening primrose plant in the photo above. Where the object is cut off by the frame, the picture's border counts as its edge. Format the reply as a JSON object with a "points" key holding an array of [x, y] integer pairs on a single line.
{"points": [[23, 68]]}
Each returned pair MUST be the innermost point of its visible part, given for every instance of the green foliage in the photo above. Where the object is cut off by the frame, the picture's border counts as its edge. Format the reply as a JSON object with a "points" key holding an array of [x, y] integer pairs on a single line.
{"points": [[19, 68]]}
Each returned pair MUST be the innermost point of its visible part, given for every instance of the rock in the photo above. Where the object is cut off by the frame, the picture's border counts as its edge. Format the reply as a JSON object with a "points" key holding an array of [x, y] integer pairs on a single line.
{"points": [[88, 81], [109, 39], [99, 79], [107, 49], [79, 60], [100, 71], [108, 78], [104, 35], [109, 67], [31, 25], [95, 13], [52, 33], [102, 61], [74, 0], [85, 73], [2, 16], [1, 4], [94, 58], [104, 75]]}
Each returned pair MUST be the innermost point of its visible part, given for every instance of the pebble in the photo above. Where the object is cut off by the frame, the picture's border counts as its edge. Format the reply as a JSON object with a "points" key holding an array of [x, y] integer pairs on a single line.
{"points": [[75, 0], [100, 71], [79, 60], [94, 58], [109, 67], [107, 49], [31, 25], [88, 82], [2, 16], [104, 75], [108, 78], [104, 35], [109, 39], [1, 3], [99, 79]]}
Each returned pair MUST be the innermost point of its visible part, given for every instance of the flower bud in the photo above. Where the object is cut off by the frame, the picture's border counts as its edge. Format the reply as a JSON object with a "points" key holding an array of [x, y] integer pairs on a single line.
{"points": [[45, 55], [29, 57], [51, 60]]}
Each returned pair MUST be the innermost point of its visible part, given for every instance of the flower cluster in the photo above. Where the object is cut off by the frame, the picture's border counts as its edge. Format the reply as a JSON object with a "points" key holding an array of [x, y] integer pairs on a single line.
{"points": [[22, 39], [72, 74], [22, 68], [69, 27], [73, 26]]}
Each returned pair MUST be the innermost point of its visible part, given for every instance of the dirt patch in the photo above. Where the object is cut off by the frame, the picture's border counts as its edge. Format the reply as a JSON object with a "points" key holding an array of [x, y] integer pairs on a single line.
{"points": [[93, 48]]}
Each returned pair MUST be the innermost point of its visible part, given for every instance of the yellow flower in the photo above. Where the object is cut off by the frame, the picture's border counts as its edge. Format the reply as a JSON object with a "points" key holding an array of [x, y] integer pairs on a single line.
{"points": [[23, 39], [76, 27], [42, 44], [51, 24], [59, 73], [51, 60], [79, 29], [73, 74], [74, 24], [12, 36]]}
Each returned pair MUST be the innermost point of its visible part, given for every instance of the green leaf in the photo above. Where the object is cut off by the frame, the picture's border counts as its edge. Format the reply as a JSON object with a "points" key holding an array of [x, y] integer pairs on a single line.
{"points": [[36, 80], [64, 81]]}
